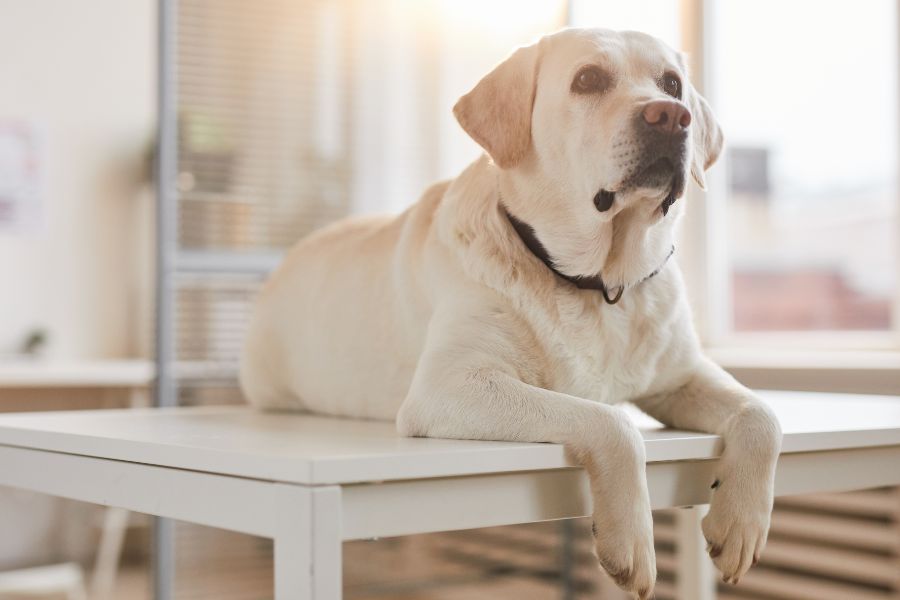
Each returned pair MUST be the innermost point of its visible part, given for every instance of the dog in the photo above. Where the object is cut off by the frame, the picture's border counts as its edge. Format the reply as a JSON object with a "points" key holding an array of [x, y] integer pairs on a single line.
{"points": [[529, 296]]}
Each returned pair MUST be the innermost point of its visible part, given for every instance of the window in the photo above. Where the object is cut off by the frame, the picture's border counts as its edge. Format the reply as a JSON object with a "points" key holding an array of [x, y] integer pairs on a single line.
{"points": [[806, 92], [799, 229]]}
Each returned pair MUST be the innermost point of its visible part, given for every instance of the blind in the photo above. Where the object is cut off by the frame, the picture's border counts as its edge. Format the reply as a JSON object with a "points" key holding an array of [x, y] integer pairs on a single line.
{"points": [[264, 118], [293, 113]]}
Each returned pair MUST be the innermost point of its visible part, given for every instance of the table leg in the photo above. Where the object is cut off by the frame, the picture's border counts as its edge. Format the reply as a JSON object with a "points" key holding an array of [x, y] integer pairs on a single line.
{"points": [[308, 544], [696, 577], [106, 564]]}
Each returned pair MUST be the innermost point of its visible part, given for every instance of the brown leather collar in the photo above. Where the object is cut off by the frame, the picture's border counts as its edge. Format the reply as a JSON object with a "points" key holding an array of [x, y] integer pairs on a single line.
{"points": [[591, 282]]}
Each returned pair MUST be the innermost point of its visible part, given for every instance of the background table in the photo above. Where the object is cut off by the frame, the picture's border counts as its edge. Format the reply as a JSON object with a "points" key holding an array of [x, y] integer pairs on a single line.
{"points": [[129, 376], [29, 384], [311, 482]]}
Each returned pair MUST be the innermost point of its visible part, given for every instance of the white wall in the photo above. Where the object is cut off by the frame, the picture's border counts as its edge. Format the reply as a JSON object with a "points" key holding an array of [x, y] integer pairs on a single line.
{"points": [[84, 72]]}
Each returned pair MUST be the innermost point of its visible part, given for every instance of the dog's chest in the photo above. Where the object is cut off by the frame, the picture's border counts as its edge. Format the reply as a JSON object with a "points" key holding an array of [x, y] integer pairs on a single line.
{"points": [[605, 353]]}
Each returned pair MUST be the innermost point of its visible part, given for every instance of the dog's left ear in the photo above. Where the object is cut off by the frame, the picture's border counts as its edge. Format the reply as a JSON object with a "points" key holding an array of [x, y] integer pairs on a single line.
{"points": [[497, 112], [707, 138]]}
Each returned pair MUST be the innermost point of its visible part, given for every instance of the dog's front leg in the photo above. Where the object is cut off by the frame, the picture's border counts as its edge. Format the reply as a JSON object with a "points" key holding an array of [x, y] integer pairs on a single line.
{"points": [[471, 390], [737, 525]]}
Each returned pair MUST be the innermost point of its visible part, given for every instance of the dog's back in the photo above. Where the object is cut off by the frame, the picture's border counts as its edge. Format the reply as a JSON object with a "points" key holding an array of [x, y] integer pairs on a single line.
{"points": [[355, 280]]}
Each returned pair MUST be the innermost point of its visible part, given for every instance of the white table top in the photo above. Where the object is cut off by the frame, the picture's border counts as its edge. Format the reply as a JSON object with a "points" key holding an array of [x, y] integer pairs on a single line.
{"points": [[240, 441], [53, 373]]}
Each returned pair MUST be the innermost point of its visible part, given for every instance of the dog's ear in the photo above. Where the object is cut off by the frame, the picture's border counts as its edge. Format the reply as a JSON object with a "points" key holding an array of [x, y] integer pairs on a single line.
{"points": [[707, 138], [497, 112]]}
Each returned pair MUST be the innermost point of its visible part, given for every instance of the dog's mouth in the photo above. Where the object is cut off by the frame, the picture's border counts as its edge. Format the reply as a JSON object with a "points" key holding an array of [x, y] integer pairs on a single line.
{"points": [[655, 175], [660, 174]]}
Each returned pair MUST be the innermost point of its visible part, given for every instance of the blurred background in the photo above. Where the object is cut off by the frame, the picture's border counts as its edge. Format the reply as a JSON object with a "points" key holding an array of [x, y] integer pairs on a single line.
{"points": [[280, 116]]}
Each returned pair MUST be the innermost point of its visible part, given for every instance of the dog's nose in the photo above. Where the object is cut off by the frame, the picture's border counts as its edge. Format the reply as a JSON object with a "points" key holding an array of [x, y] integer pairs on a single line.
{"points": [[667, 116]]}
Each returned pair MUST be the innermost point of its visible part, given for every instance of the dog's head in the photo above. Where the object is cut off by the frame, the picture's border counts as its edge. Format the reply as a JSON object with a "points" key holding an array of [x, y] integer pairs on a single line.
{"points": [[595, 133]]}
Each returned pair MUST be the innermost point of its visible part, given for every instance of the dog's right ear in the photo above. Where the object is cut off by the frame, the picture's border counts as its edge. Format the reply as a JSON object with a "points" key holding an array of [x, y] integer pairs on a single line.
{"points": [[497, 112], [708, 140]]}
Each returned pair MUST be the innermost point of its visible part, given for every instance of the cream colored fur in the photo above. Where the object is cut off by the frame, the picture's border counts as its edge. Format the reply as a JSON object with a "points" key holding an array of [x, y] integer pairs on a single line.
{"points": [[441, 319]]}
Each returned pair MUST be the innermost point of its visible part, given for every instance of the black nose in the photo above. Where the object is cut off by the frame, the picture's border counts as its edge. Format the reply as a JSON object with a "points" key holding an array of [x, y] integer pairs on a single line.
{"points": [[666, 116]]}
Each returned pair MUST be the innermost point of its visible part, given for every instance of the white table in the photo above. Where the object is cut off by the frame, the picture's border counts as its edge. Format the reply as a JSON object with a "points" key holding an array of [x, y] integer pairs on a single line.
{"points": [[312, 482]]}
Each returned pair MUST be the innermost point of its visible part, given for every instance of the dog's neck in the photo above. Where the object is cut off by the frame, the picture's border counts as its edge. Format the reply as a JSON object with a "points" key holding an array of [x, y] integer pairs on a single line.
{"points": [[592, 282]]}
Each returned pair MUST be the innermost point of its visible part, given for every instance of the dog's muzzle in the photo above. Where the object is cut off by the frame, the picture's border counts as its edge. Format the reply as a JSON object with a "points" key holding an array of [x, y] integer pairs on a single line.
{"points": [[663, 151]]}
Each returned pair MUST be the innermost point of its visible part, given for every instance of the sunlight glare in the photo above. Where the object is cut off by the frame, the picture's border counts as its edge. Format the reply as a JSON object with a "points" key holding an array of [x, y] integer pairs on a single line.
{"points": [[502, 17]]}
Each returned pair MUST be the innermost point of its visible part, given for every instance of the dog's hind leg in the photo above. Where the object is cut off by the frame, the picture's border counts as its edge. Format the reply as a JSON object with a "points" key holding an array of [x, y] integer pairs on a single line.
{"points": [[261, 375], [467, 387]]}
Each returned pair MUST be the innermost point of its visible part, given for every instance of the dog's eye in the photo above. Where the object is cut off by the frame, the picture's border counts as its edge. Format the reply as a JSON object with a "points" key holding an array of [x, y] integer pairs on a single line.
{"points": [[591, 80], [671, 84]]}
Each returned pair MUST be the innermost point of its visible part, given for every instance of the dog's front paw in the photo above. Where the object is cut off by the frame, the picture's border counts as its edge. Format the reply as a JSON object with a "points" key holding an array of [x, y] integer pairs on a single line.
{"points": [[627, 553], [737, 525]]}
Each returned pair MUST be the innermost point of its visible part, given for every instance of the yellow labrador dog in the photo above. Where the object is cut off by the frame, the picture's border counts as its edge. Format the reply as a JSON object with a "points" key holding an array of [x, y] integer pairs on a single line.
{"points": [[527, 297]]}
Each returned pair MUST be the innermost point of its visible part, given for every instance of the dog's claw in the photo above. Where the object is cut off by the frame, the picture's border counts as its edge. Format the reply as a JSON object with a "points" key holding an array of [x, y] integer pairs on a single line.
{"points": [[622, 577], [634, 571]]}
